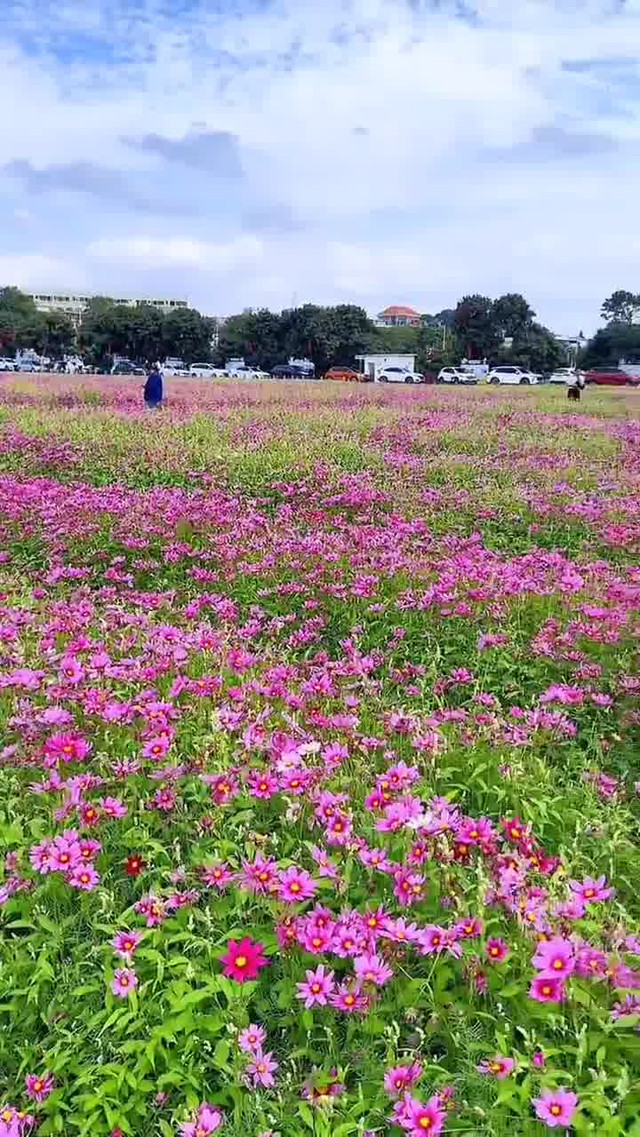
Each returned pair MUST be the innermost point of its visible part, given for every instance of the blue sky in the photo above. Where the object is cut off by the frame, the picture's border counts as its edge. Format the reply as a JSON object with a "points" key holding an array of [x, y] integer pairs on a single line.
{"points": [[268, 152]]}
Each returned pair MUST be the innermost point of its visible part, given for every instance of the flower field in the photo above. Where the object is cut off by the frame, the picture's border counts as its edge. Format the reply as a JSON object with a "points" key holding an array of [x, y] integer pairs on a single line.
{"points": [[319, 775]]}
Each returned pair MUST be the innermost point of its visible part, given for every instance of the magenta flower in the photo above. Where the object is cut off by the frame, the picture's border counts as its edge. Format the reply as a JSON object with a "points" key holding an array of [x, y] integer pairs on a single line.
{"points": [[113, 807], [38, 1087], [125, 944], [498, 1067], [370, 968], [217, 876], [296, 885], [125, 981], [65, 854], [349, 999], [261, 1069], [555, 958], [244, 960], [317, 988], [591, 891], [207, 1120], [419, 1117], [399, 1079], [84, 877], [547, 990], [539, 1059], [556, 1107], [496, 950], [250, 1039]]}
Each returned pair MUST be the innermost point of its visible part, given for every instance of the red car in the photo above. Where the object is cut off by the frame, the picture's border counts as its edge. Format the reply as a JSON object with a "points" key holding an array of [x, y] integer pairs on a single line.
{"points": [[345, 375], [611, 377]]}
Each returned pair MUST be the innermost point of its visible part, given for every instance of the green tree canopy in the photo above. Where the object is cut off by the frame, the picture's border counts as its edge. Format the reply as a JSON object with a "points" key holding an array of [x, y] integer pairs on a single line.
{"points": [[620, 307]]}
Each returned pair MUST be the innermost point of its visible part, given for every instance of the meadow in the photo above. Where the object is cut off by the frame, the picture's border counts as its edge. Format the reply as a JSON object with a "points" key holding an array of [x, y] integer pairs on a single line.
{"points": [[319, 773]]}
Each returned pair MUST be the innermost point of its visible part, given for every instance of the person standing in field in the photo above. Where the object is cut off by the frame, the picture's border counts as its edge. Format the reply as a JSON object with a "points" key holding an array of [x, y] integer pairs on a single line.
{"points": [[153, 388], [576, 386]]}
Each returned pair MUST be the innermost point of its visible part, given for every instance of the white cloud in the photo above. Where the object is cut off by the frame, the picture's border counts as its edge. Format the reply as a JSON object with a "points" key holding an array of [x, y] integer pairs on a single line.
{"points": [[148, 253], [419, 205]]}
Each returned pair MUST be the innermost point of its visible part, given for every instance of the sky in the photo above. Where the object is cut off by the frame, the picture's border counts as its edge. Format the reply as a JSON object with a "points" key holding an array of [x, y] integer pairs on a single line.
{"points": [[249, 153]]}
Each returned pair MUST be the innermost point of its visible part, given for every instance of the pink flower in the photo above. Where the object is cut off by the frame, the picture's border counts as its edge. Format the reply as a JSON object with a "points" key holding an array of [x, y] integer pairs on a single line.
{"points": [[296, 885], [38, 1087], [84, 877], [217, 876], [349, 999], [556, 1107], [262, 785], [125, 981], [498, 1066], [409, 887], [590, 891], [207, 1121], [65, 854], [370, 968], [262, 1069], [244, 960], [399, 1079], [546, 990], [420, 1118], [496, 950], [539, 1059], [317, 988], [555, 958], [113, 807], [250, 1039], [41, 857], [125, 944]]}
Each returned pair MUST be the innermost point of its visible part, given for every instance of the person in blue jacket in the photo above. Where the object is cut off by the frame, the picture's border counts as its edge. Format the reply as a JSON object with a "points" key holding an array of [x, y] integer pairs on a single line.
{"points": [[153, 388]]}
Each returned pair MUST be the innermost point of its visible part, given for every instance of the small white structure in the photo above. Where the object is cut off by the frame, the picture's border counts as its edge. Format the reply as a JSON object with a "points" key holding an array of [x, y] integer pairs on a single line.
{"points": [[372, 365]]}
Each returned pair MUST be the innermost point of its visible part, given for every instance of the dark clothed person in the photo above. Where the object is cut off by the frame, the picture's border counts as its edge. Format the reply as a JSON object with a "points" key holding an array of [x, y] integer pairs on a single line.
{"points": [[153, 389]]}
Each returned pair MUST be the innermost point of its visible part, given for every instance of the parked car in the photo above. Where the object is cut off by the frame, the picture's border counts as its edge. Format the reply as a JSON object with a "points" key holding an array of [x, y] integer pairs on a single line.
{"points": [[611, 377], [173, 366], [460, 374], [289, 371], [27, 366], [125, 367], [512, 375], [399, 375], [564, 375], [204, 370], [7, 364], [344, 375]]}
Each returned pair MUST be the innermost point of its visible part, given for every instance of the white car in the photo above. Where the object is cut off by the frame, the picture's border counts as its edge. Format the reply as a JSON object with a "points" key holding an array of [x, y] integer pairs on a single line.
{"points": [[204, 371], [399, 375], [7, 364], [565, 375], [512, 375], [457, 375]]}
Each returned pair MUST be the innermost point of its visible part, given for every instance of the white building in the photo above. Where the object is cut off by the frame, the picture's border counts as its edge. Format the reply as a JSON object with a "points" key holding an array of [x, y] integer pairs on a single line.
{"points": [[372, 365], [398, 316], [75, 304]]}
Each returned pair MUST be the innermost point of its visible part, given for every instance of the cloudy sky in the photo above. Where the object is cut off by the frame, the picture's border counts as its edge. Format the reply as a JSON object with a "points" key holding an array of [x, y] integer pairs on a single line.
{"points": [[269, 152]]}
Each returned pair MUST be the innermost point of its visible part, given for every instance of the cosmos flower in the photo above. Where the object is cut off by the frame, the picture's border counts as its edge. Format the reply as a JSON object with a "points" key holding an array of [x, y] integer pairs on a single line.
{"points": [[243, 960], [556, 1107]]}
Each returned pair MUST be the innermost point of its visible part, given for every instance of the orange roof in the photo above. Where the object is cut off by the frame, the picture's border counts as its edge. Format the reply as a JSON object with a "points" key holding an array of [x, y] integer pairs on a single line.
{"points": [[400, 310]]}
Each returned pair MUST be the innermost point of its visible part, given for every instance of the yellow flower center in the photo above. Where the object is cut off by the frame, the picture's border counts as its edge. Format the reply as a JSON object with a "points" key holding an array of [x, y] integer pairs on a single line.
{"points": [[241, 961]]}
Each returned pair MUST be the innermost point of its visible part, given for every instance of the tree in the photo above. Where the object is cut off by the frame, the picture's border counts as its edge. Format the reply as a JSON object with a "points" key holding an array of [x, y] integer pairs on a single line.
{"points": [[512, 315], [621, 307], [145, 333], [619, 340], [475, 327], [21, 324], [254, 336], [187, 335], [59, 335], [537, 349]]}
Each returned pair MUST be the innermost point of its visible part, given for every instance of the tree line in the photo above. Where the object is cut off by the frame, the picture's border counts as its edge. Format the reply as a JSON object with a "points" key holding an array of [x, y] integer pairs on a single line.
{"points": [[504, 330]]}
